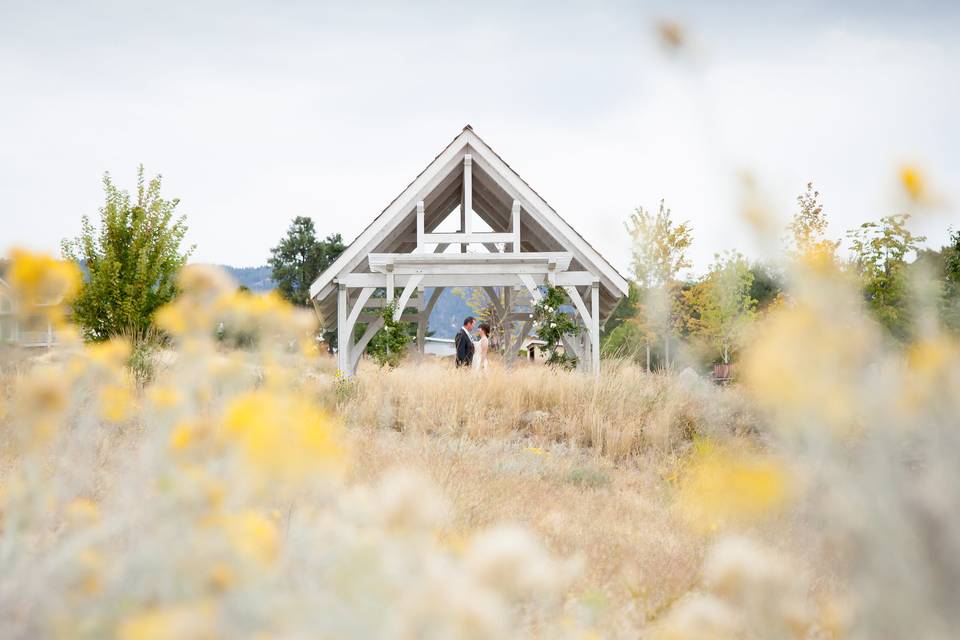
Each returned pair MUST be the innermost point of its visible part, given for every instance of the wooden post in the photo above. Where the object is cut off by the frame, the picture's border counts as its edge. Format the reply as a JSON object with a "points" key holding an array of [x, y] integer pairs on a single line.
{"points": [[343, 336], [421, 320], [420, 229], [507, 325], [595, 328], [515, 225], [390, 285], [466, 204]]}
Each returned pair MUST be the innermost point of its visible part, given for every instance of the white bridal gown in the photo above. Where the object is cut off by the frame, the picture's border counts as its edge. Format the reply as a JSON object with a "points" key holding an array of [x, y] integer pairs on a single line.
{"points": [[480, 360]]}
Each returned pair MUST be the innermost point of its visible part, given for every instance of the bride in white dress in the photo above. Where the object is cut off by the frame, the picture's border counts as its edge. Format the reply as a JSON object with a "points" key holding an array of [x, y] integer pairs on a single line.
{"points": [[481, 360]]}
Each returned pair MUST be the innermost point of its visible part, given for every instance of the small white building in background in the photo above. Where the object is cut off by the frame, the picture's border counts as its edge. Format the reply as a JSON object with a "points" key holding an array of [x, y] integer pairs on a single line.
{"points": [[36, 332]]}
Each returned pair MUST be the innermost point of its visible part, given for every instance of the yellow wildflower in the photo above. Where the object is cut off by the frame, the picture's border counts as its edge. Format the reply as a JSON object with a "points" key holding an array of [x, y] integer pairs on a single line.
{"points": [[182, 435], [253, 536], [83, 511], [41, 400], [171, 319], [39, 280], [913, 183], [802, 363], [282, 435], [722, 486], [116, 402], [221, 577], [164, 397], [90, 563], [112, 354], [189, 621]]}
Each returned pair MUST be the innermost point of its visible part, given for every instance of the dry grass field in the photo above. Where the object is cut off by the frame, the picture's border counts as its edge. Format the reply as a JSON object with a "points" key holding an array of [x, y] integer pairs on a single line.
{"points": [[217, 491]]}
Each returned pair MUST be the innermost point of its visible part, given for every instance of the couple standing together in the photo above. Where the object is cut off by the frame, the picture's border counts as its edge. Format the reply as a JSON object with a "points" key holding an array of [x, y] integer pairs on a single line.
{"points": [[466, 346]]}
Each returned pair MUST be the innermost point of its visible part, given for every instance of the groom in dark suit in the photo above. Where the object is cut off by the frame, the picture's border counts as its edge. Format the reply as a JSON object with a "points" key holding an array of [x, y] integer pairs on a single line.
{"points": [[465, 343]]}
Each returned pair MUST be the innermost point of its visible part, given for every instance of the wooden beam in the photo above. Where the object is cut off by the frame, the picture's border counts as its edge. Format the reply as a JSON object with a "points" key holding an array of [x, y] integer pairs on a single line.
{"points": [[466, 214], [343, 338], [433, 301], [524, 332], [515, 225], [408, 290], [580, 306], [365, 294], [494, 300], [421, 320], [578, 278], [362, 343], [420, 231], [490, 212], [531, 286], [467, 238], [571, 345], [595, 328], [408, 316]]}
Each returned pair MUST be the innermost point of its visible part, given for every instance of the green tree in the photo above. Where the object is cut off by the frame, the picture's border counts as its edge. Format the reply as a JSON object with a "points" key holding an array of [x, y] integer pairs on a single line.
{"points": [[808, 229], [389, 346], [944, 266], [880, 251], [132, 260], [767, 284], [659, 254], [951, 278], [723, 304], [553, 324], [300, 257]]}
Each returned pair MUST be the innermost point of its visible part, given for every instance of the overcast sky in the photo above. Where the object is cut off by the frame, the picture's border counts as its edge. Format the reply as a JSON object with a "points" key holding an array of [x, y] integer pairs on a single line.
{"points": [[257, 112]]}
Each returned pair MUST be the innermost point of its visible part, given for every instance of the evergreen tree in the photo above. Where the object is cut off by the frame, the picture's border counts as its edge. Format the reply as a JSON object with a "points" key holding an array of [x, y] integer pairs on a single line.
{"points": [[299, 258]]}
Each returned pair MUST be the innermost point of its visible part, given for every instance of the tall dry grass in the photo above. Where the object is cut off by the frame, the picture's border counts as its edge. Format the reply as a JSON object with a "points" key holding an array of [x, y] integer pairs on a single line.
{"points": [[625, 413]]}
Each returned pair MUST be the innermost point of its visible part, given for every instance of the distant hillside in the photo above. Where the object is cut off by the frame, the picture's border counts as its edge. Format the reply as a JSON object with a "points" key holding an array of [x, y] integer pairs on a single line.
{"points": [[254, 278], [448, 314]]}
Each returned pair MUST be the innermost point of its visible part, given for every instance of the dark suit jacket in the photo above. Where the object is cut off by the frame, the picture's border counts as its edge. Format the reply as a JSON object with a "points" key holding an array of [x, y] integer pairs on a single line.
{"points": [[464, 348]]}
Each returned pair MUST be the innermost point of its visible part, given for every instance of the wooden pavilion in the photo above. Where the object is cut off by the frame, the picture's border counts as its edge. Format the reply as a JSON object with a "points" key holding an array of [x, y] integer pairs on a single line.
{"points": [[404, 253]]}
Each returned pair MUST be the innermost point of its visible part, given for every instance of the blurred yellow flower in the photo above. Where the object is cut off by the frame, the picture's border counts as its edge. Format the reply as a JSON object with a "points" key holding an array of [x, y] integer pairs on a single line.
{"points": [[253, 536], [182, 435], [82, 511], [721, 486], [40, 403], [112, 354], [164, 396], [913, 183], [39, 280], [116, 402], [282, 434], [188, 621], [89, 563], [171, 319], [803, 361]]}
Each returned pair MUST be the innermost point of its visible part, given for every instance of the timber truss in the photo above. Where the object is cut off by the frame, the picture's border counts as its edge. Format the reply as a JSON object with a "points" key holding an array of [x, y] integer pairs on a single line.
{"points": [[525, 245]]}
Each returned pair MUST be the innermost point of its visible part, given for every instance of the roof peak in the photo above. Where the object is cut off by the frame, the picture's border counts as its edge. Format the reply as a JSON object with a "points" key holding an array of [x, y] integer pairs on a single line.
{"points": [[467, 126]]}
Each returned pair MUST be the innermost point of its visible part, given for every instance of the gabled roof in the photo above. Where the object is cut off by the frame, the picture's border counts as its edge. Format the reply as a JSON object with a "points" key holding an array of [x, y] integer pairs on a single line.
{"points": [[496, 184]]}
